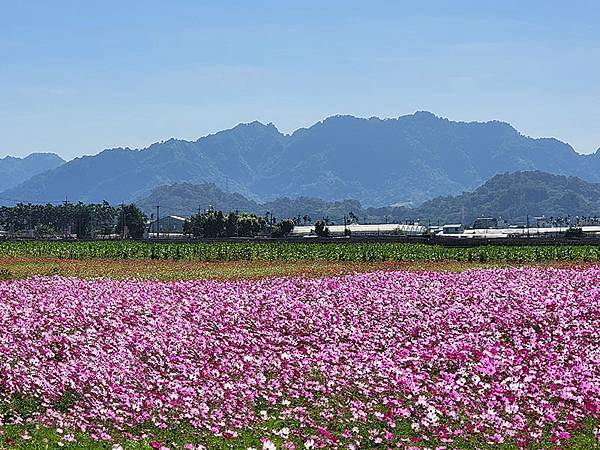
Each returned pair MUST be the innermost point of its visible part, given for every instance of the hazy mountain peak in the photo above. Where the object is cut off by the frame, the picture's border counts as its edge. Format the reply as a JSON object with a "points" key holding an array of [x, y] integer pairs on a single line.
{"points": [[424, 115], [14, 170], [48, 156], [342, 118], [256, 125]]}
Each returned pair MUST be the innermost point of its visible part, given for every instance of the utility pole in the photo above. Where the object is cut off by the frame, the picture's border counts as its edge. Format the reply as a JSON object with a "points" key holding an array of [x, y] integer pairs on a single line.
{"points": [[92, 233], [65, 217], [157, 221], [123, 220]]}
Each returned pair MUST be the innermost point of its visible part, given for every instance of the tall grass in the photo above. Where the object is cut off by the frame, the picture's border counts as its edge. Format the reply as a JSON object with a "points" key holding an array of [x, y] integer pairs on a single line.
{"points": [[286, 251]]}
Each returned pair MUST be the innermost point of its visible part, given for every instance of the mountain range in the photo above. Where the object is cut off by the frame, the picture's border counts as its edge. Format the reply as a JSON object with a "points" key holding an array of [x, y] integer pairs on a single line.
{"points": [[14, 171], [401, 161], [512, 196]]}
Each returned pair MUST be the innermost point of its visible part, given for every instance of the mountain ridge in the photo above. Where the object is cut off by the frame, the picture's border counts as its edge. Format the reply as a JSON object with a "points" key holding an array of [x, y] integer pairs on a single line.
{"points": [[409, 159], [15, 170]]}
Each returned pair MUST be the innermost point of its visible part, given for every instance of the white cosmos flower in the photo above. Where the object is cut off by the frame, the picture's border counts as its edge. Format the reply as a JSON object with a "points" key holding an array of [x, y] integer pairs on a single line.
{"points": [[268, 445]]}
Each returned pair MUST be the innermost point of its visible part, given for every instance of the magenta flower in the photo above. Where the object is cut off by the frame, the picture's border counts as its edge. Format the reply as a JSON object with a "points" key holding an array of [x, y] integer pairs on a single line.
{"points": [[503, 354]]}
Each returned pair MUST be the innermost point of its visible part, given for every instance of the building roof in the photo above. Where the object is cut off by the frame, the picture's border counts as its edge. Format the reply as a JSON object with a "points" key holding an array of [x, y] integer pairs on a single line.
{"points": [[178, 218], [506, 232], [364, 228], [172, 217]]}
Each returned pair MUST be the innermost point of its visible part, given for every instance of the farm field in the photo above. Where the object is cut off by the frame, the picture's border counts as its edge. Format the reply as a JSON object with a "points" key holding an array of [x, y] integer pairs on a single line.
{"points": [[292, 251], [245, 346]]}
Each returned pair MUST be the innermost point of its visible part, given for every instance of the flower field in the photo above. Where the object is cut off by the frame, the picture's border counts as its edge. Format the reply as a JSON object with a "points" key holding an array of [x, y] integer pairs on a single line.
{"points": [[476, 359]]}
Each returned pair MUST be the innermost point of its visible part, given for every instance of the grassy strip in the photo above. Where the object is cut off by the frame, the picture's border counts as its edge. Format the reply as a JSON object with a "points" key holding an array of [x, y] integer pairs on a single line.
{"points": [[35, 437], [17, 268], [285, 251]]}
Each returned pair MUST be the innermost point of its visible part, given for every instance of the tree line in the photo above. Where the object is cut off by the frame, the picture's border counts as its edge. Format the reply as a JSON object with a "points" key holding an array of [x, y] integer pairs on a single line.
{"points": [[89, 221], [86, 221], [214, 224]]}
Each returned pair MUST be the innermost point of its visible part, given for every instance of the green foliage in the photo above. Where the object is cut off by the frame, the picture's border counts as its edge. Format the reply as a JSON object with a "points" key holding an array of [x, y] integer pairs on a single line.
{"points": [[291, 251], [134, 221], [321, 229], [210, 224], [213, 224], [20, 405], [68, 399], [77, 218], [249, 225], [42, 229], [36, 437], [574, 233], [283, 228]]}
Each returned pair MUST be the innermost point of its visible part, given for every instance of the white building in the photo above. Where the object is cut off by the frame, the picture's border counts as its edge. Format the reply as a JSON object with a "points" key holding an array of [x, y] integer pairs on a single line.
{"points": [[363, 230], [168, 224], [524, 231]]}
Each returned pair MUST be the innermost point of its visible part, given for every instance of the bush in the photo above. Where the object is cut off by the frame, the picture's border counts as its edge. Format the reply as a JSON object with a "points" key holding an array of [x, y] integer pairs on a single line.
{"points": [[321, 228], [5, 274], [574, 233]]}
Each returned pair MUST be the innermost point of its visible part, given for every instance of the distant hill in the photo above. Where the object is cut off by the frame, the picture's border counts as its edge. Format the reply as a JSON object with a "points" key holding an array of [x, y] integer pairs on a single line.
{"points": [[512, 196], [185, 199], [14, 171], [379, 162]]}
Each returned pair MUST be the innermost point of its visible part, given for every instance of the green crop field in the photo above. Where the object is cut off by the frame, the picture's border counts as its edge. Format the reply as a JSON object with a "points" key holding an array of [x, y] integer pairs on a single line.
{"points": [[286, 251]]}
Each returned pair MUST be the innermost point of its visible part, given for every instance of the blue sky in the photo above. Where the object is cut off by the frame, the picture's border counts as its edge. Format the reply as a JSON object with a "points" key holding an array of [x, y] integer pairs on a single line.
{"points": [[76, 78]]}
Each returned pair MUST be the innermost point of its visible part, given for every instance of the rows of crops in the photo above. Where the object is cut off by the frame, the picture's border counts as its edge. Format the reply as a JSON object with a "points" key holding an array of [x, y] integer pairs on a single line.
{"points": [[280, 251]]}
